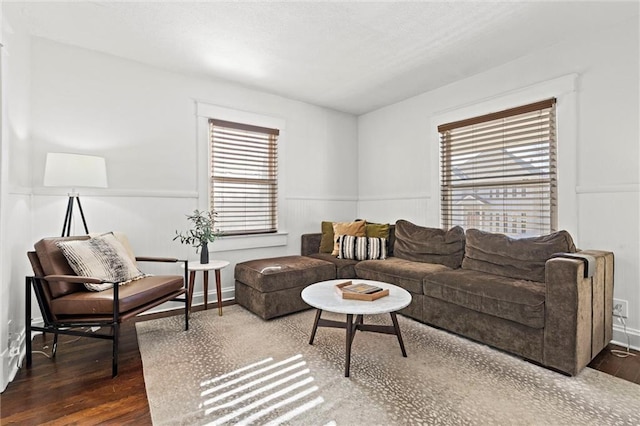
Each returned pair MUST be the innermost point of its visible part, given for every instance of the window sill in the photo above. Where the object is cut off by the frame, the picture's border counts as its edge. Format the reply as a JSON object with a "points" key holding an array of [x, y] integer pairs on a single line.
{"points": [[244, 242]]}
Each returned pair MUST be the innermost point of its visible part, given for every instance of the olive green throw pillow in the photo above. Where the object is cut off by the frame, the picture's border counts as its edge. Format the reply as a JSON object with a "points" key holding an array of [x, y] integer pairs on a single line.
{"points": [[326, 243], [377, 230]]}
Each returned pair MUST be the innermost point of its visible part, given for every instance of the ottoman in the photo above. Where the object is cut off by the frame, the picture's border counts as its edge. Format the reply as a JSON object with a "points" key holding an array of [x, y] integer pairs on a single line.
{"points": [[271, 287]]}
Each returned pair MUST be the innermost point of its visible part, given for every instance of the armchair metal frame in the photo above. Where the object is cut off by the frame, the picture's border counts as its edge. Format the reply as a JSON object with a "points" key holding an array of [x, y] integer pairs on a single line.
{"points": [[69, 326]]}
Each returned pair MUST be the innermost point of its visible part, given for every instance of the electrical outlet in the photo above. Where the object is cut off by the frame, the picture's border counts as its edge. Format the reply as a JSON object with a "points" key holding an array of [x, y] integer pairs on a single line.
{"points": [[620, 308]]}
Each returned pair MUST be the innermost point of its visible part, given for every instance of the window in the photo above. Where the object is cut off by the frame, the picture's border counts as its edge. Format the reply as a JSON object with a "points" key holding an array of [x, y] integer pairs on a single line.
{"points": [[504, 164], [244, 177]]}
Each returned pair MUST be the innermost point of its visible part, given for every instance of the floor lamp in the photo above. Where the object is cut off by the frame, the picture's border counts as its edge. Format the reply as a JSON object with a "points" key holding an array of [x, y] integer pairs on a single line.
{"points": [[74, 171]]}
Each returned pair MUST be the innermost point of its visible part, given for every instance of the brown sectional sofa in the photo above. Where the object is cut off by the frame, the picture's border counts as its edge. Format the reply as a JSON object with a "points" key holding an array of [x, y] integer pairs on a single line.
{"points": [[520, 296]]}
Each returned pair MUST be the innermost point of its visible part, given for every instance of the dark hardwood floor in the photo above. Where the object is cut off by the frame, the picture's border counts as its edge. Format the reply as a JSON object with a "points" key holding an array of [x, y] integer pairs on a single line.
{"points": [[625, 368], [77, 387]]}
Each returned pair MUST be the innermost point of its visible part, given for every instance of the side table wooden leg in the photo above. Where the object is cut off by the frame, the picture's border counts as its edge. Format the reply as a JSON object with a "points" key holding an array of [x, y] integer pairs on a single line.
{"points": [[192, 283], [206, 288], [219, 292]]}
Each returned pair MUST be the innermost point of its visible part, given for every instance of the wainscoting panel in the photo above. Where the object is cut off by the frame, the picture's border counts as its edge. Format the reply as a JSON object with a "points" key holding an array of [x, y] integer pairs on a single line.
{"points": [[14, 266], [414, 209], [304, 215]]}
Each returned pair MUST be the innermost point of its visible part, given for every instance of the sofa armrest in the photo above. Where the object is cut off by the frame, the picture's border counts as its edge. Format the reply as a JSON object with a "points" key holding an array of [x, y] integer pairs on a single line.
{"points": [[310, 244], [578, 322], [185, 265], [602, 290]]}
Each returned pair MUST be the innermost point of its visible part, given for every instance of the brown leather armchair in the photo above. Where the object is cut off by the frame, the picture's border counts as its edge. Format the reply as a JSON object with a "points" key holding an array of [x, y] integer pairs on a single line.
{"points": [[69, 308]]}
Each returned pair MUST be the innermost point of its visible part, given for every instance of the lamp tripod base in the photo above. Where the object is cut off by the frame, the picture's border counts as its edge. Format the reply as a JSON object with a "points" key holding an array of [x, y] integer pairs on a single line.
{"points": [[66, 227]]}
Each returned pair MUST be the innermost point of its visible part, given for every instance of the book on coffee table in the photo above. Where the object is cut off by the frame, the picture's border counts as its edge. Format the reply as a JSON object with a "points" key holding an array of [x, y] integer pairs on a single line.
{"points": [[360, 291]]}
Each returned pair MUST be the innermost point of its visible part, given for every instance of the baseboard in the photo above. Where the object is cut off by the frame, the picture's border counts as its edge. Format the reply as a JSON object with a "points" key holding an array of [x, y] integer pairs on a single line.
{"points": [[620, 338], [7, 376], [212, 297], [11, 361], [198, 300]]}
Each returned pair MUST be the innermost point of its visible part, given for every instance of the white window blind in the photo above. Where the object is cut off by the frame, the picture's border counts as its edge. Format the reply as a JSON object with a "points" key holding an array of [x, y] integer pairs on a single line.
{"points": [[244, 177], [498, 171]]}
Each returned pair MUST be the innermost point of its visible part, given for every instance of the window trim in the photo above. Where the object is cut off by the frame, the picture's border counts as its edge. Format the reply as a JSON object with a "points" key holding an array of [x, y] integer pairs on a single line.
{"points": [[564, 89], [206, 111]]}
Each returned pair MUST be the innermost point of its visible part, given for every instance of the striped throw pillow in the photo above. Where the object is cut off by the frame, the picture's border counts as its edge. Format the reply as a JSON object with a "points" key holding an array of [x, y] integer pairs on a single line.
{"points": [[102, 257], [362, 248]]}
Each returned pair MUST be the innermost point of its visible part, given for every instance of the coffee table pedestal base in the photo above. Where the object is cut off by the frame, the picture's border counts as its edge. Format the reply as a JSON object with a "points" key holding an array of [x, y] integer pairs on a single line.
{"points": [[352, 327]]}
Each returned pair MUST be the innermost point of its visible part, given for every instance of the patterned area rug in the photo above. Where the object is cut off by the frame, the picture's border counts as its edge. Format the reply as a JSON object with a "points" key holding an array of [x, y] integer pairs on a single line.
{"points": [[239, 369]]}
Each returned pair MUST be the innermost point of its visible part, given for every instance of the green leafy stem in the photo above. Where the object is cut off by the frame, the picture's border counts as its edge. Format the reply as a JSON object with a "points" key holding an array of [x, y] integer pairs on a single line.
{"points": [[202, 230]]}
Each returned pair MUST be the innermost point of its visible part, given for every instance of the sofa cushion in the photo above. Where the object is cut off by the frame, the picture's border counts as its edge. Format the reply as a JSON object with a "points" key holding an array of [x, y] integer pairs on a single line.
{"points": [[344, 267], [377, 230], [279, 273], [53, 262], [512, 299], [356, 229], [102, 257], [403, 273], [362, 248], [523, 258], [326, 242], [122, 239], [429, 245], [131, 296], [392, 240]]}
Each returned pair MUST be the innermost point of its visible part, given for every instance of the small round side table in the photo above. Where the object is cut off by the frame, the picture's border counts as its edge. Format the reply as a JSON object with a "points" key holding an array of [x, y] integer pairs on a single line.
{"points": [[213, 265]]}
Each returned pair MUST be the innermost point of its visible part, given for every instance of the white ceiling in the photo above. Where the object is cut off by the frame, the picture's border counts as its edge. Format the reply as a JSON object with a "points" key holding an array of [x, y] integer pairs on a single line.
{"points": [[350, 56]]}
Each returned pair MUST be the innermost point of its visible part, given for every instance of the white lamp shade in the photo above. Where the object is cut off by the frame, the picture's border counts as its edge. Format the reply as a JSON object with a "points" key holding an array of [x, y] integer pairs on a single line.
{"points": [[75, 170]]}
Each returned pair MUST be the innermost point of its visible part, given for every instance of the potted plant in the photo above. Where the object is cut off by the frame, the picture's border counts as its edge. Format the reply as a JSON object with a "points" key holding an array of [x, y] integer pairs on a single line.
{"points": [[201, 233]]}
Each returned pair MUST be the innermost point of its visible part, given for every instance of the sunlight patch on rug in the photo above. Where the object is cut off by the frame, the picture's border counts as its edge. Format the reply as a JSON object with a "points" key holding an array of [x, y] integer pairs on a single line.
{"points": [[241, 386]]}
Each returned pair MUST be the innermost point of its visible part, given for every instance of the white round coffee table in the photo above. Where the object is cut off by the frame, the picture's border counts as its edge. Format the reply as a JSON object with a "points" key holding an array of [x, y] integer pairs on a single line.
{"points": [[324, 297]]}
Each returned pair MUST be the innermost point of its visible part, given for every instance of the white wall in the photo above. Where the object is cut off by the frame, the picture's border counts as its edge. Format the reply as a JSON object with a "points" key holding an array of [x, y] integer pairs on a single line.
{"points": [[602, 162], [143, 120], [15, 211]]}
